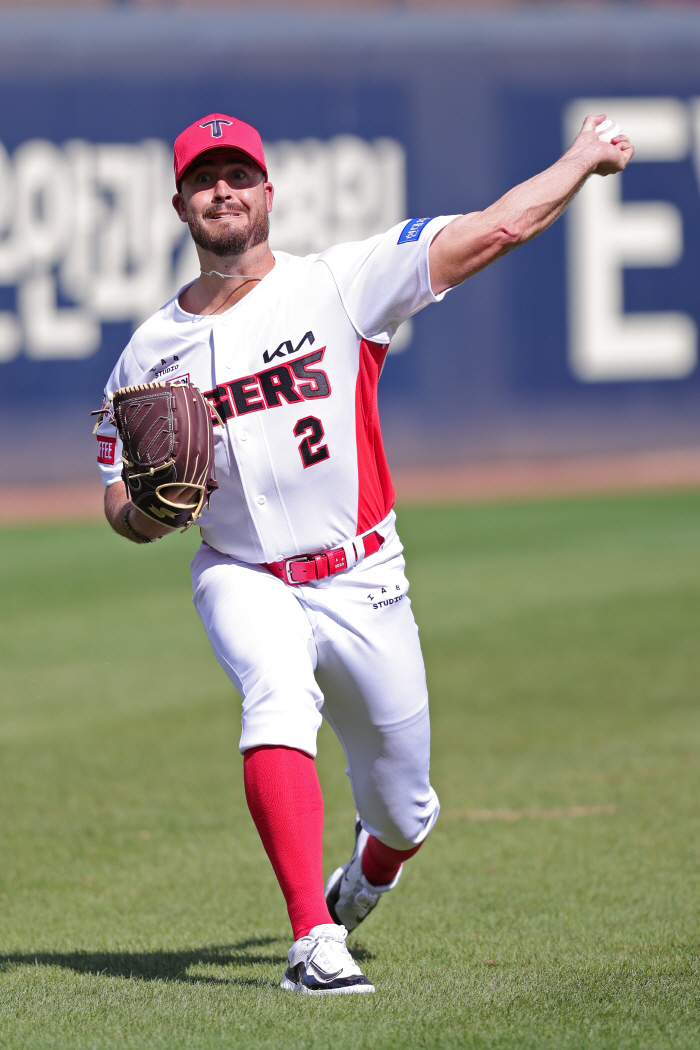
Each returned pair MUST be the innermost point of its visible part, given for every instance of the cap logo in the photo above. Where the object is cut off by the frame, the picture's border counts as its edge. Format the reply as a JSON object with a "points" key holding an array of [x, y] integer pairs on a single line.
{"points": [[215, 126]]}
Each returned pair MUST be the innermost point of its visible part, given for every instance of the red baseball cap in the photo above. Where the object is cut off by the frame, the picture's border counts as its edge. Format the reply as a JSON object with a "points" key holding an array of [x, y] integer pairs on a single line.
{"points": [[213, 132]]}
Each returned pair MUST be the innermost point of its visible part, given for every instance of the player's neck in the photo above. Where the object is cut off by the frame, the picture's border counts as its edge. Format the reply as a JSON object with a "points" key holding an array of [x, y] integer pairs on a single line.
{"points": [[213, 294]]}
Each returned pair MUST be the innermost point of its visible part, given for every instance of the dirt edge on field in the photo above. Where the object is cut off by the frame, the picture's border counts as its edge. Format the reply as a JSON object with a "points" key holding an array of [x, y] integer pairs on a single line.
{"points": [[476, 482], [508, 479]]}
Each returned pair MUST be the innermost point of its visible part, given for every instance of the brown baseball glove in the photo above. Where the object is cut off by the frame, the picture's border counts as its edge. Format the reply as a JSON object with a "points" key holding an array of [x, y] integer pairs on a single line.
{"points": [[168, 449]]}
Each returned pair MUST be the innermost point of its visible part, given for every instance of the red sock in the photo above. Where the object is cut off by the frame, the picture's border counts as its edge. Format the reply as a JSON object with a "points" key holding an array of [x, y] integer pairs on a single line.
{"points": [[285, 802], [380, 863]]}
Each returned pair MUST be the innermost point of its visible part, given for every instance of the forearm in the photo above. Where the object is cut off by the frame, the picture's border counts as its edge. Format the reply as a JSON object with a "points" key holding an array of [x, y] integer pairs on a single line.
{"points": [[531, 207], [469, 243], [119, 509], [473, 241]]}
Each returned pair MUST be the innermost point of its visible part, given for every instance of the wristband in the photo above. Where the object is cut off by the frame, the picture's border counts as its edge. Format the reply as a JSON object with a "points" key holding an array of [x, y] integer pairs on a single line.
{"points": [[138, 538]]}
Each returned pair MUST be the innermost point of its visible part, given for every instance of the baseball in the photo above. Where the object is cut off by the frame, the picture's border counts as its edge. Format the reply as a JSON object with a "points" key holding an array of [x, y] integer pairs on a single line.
{"points": [[608, 130]]}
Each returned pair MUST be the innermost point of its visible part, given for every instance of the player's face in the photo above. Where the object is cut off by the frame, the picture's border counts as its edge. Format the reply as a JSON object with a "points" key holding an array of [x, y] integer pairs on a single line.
{"points": [[225, 201]]}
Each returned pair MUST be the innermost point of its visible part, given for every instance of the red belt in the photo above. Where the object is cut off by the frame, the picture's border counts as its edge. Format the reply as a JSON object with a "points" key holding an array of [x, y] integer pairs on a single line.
{"points": [[308, 567]]}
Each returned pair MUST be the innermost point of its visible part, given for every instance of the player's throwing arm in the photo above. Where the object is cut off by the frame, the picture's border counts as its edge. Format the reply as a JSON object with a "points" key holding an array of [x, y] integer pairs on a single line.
{"points": [[472, 241]]}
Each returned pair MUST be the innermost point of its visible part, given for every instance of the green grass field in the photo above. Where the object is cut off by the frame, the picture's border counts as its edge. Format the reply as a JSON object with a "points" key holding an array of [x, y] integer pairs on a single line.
{"points": [[555, 905]]}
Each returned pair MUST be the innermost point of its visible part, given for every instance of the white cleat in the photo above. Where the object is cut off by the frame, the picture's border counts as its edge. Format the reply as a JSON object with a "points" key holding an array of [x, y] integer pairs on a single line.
{"points": [[349, 896], [320, 964]]}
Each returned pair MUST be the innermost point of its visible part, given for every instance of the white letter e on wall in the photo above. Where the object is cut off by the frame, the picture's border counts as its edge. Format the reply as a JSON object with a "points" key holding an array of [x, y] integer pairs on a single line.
{"points": [[606, 235]]}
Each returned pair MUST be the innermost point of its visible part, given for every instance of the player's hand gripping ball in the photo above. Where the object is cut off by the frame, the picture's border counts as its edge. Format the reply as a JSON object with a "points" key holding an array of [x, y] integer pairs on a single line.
{"points": [[168, 450], [608, 130]]}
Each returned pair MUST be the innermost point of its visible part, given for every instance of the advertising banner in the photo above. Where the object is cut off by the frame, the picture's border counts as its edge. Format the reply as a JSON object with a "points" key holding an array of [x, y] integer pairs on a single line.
{"points": [[584, 340]]}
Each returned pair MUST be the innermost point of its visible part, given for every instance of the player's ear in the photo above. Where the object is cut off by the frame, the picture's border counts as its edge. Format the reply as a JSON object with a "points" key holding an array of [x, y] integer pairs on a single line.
{"points": [[269, 194], [180, 207]]}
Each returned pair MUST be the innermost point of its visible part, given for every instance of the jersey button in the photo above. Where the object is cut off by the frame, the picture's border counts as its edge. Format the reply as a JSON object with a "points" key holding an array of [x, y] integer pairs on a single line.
{"points": [[261, 500], [243, 435]]}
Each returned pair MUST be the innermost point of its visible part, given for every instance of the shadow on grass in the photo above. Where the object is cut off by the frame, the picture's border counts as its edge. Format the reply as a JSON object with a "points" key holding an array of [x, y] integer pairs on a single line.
{"points": [[167, 966]]}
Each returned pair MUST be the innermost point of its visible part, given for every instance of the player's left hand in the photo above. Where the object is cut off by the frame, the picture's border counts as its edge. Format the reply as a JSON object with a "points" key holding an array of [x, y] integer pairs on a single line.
{"points": [[168, 450], [604, 158]]}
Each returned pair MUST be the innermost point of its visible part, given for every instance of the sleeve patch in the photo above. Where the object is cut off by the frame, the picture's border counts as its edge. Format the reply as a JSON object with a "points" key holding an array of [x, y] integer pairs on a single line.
{"points": [[105, 450], [413, 229]]}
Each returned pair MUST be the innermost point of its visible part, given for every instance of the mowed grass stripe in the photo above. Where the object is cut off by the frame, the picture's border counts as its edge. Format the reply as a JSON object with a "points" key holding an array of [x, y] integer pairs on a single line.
{"points": [[137, 907]]}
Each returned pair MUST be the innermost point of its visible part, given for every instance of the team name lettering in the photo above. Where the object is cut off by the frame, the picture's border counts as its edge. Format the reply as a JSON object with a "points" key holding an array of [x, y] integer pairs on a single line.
{"points": [[287, 383]]}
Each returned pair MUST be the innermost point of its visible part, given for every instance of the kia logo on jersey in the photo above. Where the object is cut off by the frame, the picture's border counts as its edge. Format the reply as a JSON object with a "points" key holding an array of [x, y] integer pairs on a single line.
{"points": [[287, 346], [215, 126]]}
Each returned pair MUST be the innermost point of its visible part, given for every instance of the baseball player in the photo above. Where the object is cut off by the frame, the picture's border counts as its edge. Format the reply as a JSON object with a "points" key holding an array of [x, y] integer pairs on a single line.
{"points": [[299, 580]]}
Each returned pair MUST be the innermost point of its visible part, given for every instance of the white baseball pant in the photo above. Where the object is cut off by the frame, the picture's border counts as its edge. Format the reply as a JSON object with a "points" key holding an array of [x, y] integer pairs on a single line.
{"points": [[356, 632]]}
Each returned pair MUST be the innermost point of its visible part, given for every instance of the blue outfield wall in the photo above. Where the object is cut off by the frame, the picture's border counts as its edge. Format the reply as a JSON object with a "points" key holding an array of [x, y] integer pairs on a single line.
{"points": [[584, 340]]}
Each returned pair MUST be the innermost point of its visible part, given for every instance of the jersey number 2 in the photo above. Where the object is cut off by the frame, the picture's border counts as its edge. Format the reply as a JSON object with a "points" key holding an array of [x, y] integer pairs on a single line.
{"points": [[312, 427]]}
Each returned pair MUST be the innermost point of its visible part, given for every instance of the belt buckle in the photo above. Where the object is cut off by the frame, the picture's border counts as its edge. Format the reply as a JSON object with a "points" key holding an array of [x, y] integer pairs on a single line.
{"points": [[288, 569]]}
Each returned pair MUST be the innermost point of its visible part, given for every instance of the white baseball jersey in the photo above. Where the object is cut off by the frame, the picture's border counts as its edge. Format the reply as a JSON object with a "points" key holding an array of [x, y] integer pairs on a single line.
{"points": [[292, 370]]}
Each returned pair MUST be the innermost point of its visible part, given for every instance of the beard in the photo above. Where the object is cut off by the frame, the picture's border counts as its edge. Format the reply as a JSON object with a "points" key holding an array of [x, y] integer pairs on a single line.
{"points": [[228, 242]]}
